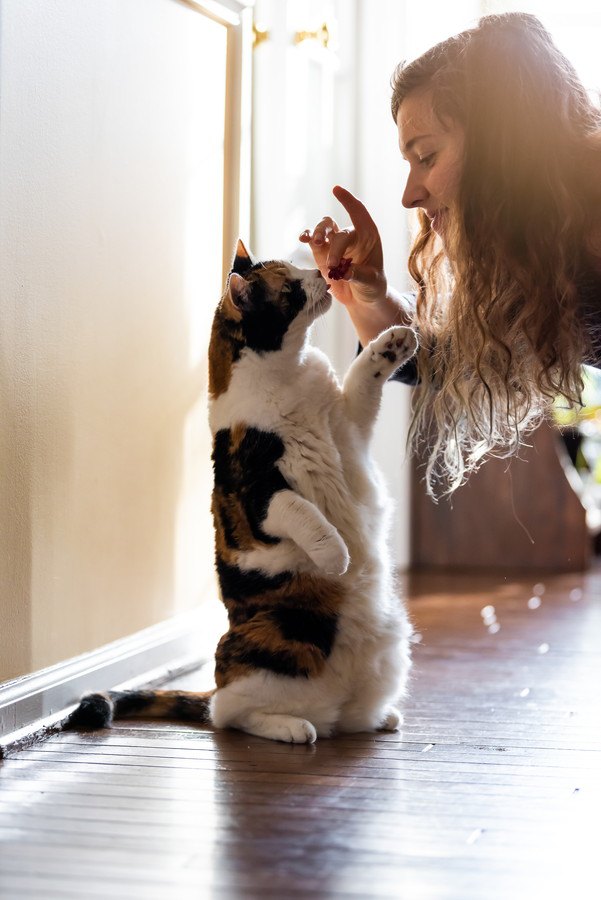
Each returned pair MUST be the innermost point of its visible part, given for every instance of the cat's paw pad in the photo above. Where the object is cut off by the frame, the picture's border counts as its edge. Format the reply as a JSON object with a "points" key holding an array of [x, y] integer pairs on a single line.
{"points": [[330, 554], [392, 348], [392, 720]]}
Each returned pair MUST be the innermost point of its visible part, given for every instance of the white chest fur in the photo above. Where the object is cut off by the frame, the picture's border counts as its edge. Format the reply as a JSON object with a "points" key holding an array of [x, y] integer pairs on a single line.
{"points": [[326, 457]]}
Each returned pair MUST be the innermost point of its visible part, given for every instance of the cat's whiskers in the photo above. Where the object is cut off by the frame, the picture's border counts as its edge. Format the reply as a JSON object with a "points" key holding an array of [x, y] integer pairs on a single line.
{"points": [[318, 309]]}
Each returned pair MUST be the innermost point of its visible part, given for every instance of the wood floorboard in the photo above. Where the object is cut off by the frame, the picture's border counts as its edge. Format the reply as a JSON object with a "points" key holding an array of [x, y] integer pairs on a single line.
{"points": [[491, 792], [541, 761], [128, 809]]}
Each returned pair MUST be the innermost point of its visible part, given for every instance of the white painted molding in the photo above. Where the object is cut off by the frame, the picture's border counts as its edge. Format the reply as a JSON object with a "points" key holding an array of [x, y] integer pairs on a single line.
{"points": [[236, 15], [33, 702], [228, 12]]}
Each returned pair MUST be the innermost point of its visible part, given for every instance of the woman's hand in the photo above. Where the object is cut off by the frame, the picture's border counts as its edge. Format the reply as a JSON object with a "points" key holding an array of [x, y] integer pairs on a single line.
{"points": [[365, 281]]}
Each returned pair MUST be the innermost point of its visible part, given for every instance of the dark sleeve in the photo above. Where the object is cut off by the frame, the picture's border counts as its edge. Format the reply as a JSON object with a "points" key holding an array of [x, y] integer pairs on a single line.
{"points": [[589, 298], [407, 373]]}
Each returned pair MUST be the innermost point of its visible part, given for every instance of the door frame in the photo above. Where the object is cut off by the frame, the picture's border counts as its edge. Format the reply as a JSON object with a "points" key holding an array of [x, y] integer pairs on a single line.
{"points": [[236, 15]]}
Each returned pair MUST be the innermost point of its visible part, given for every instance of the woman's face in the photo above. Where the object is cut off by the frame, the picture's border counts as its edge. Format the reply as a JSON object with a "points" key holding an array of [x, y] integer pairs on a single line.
{"points": [[434, 152]]}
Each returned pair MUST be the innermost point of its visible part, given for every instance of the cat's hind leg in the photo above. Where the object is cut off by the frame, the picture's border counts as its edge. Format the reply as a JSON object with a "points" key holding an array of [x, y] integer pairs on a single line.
{"points": [[373, 704], [236, 706], [392, 721], [277, 727], [358, 717]]}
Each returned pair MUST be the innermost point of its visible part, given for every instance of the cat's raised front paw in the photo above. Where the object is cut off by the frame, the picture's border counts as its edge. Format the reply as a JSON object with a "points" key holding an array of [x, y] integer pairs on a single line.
{"points": [[391, 349]]}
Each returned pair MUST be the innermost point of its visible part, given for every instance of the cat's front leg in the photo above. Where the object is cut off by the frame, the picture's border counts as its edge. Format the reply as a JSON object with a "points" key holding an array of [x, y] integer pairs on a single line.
{"points": [[291, 516], [362, 388]]}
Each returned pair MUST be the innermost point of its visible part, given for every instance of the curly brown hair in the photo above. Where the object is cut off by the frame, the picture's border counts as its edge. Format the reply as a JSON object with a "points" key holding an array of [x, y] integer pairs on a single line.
{"points": [[498, 305]]}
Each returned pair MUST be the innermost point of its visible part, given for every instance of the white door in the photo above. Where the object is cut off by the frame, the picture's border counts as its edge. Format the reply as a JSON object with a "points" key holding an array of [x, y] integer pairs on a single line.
{"points": [[320, 118]]}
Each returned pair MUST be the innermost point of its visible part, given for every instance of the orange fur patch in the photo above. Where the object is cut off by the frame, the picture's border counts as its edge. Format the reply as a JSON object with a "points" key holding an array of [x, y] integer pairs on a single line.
{"points": [[261, 634], [222, 348]]}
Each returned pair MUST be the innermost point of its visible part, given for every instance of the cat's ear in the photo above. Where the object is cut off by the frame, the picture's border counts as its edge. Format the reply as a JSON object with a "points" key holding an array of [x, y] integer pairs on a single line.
{"points": [[238, 292], [243, 260]]}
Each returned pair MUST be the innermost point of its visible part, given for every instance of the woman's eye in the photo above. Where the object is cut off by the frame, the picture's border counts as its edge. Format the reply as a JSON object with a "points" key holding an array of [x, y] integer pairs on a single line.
{"points": [[427, 160]]}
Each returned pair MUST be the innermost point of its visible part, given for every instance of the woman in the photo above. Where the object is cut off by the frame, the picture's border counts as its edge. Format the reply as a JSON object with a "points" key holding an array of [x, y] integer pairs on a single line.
{"points": [[504, 149]]}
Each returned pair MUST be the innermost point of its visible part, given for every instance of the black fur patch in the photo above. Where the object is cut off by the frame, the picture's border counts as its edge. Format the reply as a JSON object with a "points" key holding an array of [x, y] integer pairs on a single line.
{"points": [[305, 626], [250, 473], [235, 649], [94, 711], [191, 709], [267, 319], [242, 264], [238, 585], [131, 703], [240, 613]]}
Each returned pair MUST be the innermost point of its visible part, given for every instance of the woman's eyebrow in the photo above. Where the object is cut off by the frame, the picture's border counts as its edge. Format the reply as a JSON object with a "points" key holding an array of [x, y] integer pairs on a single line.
{"points": [[414, 140], [409, 145]]}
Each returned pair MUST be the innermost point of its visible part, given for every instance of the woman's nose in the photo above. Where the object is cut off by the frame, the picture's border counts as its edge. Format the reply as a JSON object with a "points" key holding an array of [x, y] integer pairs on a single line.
{"points": [[415, 193]]}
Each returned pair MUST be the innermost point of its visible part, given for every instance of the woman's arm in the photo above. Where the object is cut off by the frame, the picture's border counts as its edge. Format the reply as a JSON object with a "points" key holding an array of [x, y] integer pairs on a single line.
{"points": [[370, 318]]}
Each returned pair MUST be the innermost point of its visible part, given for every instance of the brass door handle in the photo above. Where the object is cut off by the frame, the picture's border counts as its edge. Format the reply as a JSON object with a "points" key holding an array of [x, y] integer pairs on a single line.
{"points": [[322, 35], [260, 35]]}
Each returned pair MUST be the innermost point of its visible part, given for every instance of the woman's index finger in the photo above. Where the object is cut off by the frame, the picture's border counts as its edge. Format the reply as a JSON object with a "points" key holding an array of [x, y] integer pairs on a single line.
{"points": [[356, 210]]}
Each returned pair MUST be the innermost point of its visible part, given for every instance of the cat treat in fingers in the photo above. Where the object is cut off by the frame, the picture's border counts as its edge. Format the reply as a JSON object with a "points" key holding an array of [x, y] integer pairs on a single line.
{"points": [[318, 637], [339, 271]]}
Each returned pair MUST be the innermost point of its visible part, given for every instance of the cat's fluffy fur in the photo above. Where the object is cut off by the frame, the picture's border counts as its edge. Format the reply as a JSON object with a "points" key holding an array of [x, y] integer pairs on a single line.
{"points": [[319, 639]]}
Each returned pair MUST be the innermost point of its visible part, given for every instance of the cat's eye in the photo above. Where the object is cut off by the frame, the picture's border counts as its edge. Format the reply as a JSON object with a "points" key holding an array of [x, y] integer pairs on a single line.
{"points": [[286, 288]]}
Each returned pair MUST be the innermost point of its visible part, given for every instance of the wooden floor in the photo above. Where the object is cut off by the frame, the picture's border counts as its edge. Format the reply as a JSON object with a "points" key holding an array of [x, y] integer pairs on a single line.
{"points": [[492, 790]]}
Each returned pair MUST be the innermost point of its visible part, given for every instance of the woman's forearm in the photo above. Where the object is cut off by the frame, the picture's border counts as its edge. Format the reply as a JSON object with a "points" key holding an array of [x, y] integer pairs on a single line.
{"points": [[373, 317]]}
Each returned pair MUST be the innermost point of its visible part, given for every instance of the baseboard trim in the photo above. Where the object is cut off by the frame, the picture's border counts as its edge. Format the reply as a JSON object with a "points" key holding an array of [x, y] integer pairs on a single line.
{"points": [[31, 705]]}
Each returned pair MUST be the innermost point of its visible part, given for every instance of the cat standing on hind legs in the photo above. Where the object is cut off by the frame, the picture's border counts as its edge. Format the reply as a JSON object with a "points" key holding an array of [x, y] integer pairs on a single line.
{"points": [[318, 640]]}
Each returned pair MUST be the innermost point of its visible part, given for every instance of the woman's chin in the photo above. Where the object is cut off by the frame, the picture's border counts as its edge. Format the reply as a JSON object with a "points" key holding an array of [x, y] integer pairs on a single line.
{"points": [[438, 223]]}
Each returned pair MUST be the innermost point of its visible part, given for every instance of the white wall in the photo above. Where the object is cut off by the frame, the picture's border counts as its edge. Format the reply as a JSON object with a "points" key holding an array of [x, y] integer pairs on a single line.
{"points": [[111, 146]]}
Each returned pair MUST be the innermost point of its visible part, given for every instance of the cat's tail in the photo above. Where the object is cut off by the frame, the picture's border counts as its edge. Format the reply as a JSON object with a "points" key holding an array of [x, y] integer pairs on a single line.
{"points": [[99, 710]]}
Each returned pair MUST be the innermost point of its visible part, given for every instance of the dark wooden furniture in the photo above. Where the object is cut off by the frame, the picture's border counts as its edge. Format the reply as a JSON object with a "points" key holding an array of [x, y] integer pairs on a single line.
{"points": [[521, 513]]}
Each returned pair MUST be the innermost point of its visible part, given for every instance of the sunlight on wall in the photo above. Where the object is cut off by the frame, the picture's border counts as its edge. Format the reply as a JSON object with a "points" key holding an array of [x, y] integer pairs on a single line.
{"points": [[204, 226], [111, 200], [575, 27], [428, 23], [202, 289]]}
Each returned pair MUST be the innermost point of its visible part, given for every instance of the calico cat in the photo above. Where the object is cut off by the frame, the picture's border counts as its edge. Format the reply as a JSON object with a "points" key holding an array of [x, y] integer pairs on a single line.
{"points": [[318, 640]]}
